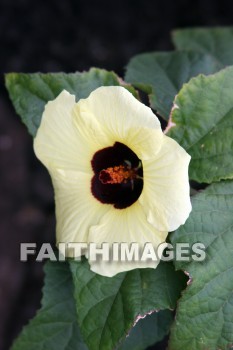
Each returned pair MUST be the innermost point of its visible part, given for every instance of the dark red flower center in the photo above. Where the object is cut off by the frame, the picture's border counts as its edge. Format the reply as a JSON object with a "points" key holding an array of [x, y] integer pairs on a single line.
{"points": [[118, 176]]}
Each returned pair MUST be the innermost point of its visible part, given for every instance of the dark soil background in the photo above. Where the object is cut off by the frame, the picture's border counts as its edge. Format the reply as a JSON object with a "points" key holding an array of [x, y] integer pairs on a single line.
{"points": [[65, 36]]}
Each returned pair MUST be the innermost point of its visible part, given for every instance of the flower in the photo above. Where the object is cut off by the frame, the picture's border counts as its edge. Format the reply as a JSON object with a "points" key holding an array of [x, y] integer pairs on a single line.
{"points": [[116, 176]]}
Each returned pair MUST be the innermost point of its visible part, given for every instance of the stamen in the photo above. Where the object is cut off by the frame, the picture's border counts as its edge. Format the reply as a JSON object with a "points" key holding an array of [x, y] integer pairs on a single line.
{"points": [[117, 175]]}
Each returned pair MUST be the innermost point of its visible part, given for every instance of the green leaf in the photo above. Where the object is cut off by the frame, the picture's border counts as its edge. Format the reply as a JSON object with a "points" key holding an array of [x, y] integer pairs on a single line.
{"points": [[162, 75], [218, 42], [203, 114], [108, 307], [148, 331], [204, 317], [30, 92], [55, 325]]}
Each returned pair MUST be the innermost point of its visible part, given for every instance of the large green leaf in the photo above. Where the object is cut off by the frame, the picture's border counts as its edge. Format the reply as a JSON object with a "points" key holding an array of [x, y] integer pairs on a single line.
{"points": [[108, 307], [217, 42], [203, 114], [204, 317], [163, 74], [55, 325], [30, 92], [148, 331]]}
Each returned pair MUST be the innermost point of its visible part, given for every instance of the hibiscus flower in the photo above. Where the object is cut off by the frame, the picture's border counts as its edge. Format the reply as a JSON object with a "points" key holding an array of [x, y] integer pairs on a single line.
{"points": [[117, 177]]}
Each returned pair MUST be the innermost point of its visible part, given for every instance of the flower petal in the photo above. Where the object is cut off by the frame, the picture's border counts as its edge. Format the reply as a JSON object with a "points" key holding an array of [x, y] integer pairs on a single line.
{"points": [[124, 226], [113, 114], [165, 197], [76, 209], [58, 144]]}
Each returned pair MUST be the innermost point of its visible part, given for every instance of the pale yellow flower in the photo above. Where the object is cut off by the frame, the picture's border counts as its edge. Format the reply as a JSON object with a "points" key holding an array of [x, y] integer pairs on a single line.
{"points": [[117, 177]]}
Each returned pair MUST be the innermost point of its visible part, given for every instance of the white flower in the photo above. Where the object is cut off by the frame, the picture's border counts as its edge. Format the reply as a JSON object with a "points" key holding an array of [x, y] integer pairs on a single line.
{"points": [[117, 177]]}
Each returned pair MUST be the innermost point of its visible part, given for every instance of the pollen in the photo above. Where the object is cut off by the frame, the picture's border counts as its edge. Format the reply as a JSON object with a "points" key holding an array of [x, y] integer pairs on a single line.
{"points": [[117, 175]]}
